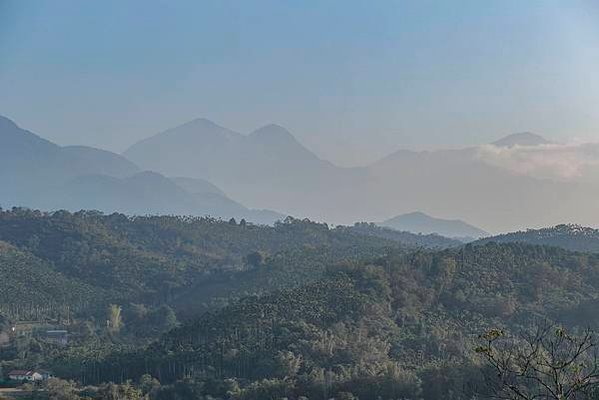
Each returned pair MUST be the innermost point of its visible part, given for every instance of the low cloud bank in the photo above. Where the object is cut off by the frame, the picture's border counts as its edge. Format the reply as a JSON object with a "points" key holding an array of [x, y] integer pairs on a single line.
{"points": [[564, 162]]}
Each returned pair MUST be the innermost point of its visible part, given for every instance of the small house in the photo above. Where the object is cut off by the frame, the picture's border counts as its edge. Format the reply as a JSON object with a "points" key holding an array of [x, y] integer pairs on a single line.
{"points": [[24, 375]]}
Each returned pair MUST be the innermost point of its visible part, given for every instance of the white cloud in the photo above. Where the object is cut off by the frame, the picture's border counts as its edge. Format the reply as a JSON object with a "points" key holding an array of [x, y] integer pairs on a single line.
{"points": [[566, 162]]}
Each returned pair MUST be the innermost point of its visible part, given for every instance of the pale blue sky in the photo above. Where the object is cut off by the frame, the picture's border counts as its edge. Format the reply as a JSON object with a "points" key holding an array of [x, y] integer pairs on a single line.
{"points": [[353, 80]]}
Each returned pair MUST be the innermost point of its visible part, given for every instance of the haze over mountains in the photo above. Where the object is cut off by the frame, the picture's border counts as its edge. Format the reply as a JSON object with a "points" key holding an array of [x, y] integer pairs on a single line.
{"points": [[418, 222], [517, 182], [39, 174], [269, 168], [521, 139]]}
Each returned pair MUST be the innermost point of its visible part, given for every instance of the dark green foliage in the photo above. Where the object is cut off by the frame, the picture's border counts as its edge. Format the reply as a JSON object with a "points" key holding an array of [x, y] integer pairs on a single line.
{"points": [[96, 260], [32, 289], [238, 311], [403, 326]]}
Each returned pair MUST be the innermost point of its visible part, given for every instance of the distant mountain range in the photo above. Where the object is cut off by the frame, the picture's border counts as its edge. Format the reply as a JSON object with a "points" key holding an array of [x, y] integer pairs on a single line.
{"points": [[522, 139], [490, 185], [567, 236], [418, 222], [269, 154], [270, 168], [37, 173]]}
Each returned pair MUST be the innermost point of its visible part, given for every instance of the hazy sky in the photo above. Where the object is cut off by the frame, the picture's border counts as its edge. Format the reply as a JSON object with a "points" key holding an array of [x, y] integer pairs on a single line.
{"points": [[353, 80]]}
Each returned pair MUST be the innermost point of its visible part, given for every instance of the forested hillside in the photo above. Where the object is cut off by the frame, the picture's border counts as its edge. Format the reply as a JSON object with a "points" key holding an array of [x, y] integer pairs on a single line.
{"points": [[403, 325], [431, 240], [157, 259], [31, 288], [188, 308], [182, 261]]}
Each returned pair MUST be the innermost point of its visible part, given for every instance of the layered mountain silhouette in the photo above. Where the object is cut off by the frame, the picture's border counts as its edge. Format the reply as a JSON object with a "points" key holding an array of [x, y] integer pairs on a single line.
{"points": [[40, 174], [418, 222], [30, 165], [269, 169], [24, 154], [522, 139], [269, 154]]}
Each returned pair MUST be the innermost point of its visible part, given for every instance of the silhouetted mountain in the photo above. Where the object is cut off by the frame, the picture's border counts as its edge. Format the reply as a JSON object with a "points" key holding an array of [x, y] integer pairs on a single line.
{"points": [[37, 173], [276, 142], [418, 222], [148, 193], [567, 236], [521, 139], [270, 168], [29, 164], [24, 153], [267, 168], [16, 140], [196, 186], [269, 154], [461, 182], [92, 160], [195, 149]]}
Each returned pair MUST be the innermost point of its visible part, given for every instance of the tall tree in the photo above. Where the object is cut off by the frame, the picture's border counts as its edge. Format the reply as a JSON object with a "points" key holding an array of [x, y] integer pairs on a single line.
{"points": [[545, 363]]}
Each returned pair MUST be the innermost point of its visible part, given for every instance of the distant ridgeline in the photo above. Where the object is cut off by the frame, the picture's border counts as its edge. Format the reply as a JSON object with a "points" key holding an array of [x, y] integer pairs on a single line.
{"points": [[203, 169], [568, 236], [430, 240]]}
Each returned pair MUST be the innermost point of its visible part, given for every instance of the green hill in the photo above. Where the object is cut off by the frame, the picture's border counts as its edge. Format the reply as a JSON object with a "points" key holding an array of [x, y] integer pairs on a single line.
{"points": [[394, 326], [290, 310], [187, 262]]}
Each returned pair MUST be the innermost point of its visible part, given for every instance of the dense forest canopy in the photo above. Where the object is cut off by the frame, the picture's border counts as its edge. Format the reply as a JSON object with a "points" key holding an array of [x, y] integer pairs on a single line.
{"points": [[154, 259], [186, 308]]}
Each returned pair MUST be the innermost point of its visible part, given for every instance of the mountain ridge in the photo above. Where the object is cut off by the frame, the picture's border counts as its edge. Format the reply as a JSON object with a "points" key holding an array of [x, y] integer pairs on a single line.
{"points": [[37, 173], [521, 139], [444, 182], [419, 222], [270, 169]]}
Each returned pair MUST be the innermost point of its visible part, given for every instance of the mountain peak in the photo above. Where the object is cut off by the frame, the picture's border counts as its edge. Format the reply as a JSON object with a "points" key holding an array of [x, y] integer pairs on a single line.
{"points": [[202, 126], [272, 131], [521, 139], [201, 123], [415, 214], [200, 132], [280, 140], [419, 222]]}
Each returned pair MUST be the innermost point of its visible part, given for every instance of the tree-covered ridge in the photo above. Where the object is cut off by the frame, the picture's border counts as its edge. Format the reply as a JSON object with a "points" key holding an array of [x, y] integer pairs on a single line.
{"points": [[296, 309], [400, 326], [567, 236], [169, 259], [31, 288], [432, 240]]}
